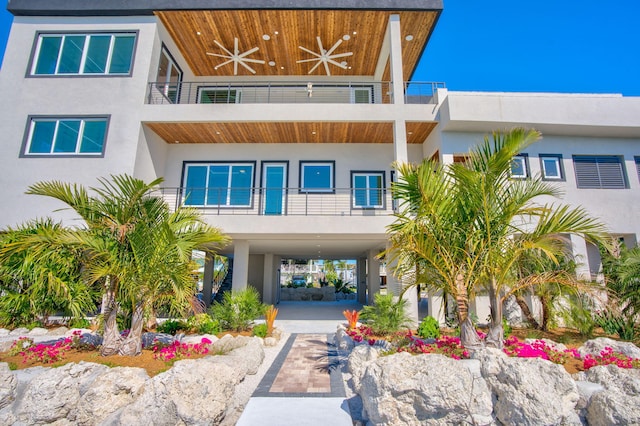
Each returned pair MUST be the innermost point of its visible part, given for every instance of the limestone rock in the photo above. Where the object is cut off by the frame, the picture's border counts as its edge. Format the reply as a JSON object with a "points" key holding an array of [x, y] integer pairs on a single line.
{"points": [[529, 391], [54, 396], [59, 331], [248, 358], [38, 331], [359, 359], [270, 342], [20, 331], [595, 346], [342, 340], [512, 311], [110, 391], [197, 338], [228, 343], [4, 332], [149, 339], [427, 389], [8, 385]]}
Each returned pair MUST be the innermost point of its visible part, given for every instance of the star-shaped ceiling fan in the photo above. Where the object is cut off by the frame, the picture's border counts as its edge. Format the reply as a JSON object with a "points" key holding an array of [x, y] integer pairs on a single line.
{"points": [[325, 57], [236, 57]]}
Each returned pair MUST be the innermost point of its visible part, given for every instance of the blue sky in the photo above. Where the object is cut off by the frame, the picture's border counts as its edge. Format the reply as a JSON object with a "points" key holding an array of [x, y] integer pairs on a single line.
{"points": [[583, 46]]}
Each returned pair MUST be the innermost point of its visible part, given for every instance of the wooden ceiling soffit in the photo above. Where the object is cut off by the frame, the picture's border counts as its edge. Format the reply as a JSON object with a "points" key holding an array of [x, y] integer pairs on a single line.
{"points": [[418, 131], [278, 34]]}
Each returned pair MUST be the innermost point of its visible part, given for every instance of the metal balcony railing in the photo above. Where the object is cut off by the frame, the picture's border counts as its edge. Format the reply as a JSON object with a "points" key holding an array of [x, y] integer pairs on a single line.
{"points": [[281, 201], [270, 92]]}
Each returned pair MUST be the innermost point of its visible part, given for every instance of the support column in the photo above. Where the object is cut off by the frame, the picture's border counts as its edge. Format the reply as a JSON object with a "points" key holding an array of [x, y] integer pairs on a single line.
{"points": [[240, 265], [361, 277], [436, 306], [207, 280], [395, 285], [395, 59], [373, 275], [268, 288], [585, 265]]}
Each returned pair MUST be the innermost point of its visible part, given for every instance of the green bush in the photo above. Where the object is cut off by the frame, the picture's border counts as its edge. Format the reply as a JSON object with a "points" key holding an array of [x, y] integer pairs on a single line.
{"points": [[260, 330], [385, 316], [429, 328], [506, 327], [578, 314], [238, 309], [203, 324], [624, 325], [79, 323], [171, 326]]}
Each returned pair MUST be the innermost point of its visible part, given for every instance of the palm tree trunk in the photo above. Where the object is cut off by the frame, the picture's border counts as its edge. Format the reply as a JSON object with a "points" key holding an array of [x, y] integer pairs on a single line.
{"points": [[495, 337], [546, 313], [462, 299], [527, 312], [111, 339], [132, 344]]}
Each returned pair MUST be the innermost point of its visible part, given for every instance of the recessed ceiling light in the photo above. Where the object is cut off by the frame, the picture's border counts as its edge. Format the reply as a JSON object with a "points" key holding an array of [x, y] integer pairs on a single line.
{"points": [[410, 133], [349, 67], [199, 33], [409, 37], [272, 63], [354, 33], [343, 63], [177, 141], [313, 133], [281, 68], [275, 32], [266, 37], [346, 37], [217, 133]]}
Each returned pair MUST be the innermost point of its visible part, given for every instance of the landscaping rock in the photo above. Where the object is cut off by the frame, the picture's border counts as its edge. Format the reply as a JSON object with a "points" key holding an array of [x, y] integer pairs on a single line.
{"points": [[4, 332], [586, 390], [270, 342], [8, 385], [59, 331], [20, 331], [529, 391], [248, 357], [54, 396], [428, 389], [149, 339], [512, 312], [197, 338], [91, 339], [342, 340], [38, 331], [110, 391], [228, 343], [595, 346], [359, 359], [619, 402]]}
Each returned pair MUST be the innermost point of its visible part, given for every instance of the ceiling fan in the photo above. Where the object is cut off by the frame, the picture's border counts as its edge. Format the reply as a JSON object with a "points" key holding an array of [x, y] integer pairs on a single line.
{"points": [[325, 57], [236, 57]]}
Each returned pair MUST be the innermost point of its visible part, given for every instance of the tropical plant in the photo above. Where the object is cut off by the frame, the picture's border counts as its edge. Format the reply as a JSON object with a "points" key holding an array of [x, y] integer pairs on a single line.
{"points": [[352, 318], [385, 316], [133, 246], [238, 309], [429, 328], [614, 321], [203, 324], [171, 326], [270, 314], [260, 330], [577, 312], [621, 268], [466, 226]]}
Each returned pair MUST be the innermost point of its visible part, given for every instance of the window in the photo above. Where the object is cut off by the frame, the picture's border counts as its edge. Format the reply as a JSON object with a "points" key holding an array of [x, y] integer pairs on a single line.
{"points": [[361, 95], [72, 136], [218, 184], [520, 166], [317, 176], [638, 166], [207, 95], [601, 172], [368, 189], [551, 167], [169, 76], [83, 54]]}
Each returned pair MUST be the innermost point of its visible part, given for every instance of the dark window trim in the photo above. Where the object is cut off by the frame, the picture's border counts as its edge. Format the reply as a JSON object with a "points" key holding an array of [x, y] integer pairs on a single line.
{"points": [[286, 189], [30, 64], [165, 48], [621, 162], [218, 207], [527, 170], [637, 161], [27, 132], [562, 177], [383, 189], [331, 190], [225, 88]]}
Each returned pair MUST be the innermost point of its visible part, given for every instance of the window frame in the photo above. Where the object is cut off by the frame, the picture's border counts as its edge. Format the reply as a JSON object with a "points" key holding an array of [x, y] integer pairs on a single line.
{"points": [[620, 161], [636, 158], [166, 85], [525, 162], [543, 172], [226, 89], [35, 52], [183, 188], [382, 189], [30, 127], [332, 177]]}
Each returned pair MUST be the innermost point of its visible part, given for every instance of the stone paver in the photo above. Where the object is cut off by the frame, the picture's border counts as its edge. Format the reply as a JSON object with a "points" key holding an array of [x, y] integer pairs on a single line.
{"points": [[306, 367]]}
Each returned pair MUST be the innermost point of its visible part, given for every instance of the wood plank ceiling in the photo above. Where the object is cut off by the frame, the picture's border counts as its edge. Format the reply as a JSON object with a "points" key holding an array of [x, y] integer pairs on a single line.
{"points": [[288, 132], [279, 33]]}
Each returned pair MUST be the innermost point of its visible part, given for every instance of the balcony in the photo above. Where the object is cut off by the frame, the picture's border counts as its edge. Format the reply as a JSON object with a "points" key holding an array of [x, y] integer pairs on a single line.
{"points": [[271, 92], [275, 202]]}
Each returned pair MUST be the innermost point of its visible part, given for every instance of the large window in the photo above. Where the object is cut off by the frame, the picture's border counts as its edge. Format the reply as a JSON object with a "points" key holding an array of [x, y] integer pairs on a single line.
{"points": [[520, 166], [368, 189], [76, 136], [83, 54], [169, 76], [213, 95], [551, 167], [218, 184], [317, 176], [601, 172]]}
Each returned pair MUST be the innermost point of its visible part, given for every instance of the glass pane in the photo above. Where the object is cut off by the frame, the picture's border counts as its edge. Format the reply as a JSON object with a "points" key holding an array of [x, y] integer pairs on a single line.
{"points": [[67, 136], [218, 185], [375, 193], [42, 137], [97, 53], [361, 96], [518, 167], [274, 187], [71, 54], [48, 55], [317, 176], [122, 55], [163, 68], [93, 136], [196, 181], [551, 169], [241, 180]]}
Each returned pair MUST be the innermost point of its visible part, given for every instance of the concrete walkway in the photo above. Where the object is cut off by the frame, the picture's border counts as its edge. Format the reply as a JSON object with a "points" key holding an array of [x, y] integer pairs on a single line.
{"points": [[304, 385]]}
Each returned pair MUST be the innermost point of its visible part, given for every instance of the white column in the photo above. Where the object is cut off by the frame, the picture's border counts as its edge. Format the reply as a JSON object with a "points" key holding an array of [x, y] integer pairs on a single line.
{"points": [[581, 254], [207, 280], [373, 275], [240, 265], [361, 277], [395, 59], [268, 281], [396, 284], [436, 306]]}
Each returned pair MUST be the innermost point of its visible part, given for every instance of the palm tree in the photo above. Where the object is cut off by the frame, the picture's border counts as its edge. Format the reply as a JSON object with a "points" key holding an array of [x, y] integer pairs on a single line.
{"points": [[136, 247], [468, 225]]}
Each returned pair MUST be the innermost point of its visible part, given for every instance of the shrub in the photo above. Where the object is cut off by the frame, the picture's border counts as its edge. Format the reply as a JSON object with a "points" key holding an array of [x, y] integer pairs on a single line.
{"points": [[579, 315], [620, 323], [429, 328], [506, 327], [79, 323], [238, 310], [385, 316], [171, 326], [203, 324], [260, 330]]}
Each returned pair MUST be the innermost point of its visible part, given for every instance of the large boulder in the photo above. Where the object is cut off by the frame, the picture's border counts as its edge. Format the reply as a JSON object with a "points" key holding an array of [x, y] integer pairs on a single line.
{"points": [[110, 391], [619, 402], [227, 343], [8, 385], [54, 396], [38, 331], [593, 347], [247, 358], [359, 359], [529, 391], [426, 389]]}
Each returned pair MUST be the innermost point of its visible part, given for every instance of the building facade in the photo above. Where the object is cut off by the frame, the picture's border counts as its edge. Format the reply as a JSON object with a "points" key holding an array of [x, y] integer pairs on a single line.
{"points": [[279, 121]]}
